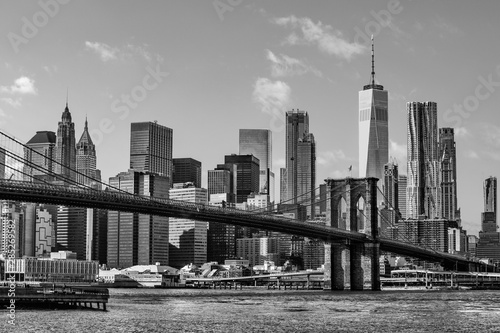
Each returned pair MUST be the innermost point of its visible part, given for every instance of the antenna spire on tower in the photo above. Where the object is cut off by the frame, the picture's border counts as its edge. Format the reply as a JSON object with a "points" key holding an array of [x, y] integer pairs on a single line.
{"points": [[67, 90], [373, 63]]}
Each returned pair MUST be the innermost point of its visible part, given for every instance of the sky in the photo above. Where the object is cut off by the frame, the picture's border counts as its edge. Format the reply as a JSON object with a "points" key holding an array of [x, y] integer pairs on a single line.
{"points": [[209, 68]]}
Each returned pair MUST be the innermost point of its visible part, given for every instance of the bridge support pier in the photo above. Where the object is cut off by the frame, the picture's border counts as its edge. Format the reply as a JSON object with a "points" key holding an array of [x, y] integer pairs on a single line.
{"points": [[348, 264]]}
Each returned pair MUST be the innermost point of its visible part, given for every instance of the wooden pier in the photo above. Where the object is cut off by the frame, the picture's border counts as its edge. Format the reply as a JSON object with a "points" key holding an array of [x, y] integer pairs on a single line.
{"points": [[84, 297]]}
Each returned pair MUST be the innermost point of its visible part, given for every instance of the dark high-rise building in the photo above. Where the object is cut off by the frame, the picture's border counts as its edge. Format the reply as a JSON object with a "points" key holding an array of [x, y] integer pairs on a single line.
{"points": [[300, 161], [187, 170], [247, 175], [71, 232], [391, 188], [138, 239], [490, 196], [40, 156], [373, 128], [66, 148], [402, 183], [258, 142], [221, 237], [423, 189], [447, 155], [151, 148], [489, 237]]}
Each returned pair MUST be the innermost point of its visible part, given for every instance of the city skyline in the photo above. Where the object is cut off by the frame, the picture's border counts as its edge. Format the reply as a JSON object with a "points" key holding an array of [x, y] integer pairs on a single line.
{"points": [[293, 56]]}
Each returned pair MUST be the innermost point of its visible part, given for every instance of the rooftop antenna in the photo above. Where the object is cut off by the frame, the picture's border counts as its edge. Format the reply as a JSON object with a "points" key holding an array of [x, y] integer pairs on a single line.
{"points": [[67, 89], [373, 63]]}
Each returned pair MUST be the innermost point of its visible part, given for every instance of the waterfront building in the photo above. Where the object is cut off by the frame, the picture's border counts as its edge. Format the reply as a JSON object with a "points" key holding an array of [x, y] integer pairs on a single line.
{"points": [[258, 250], [61, 267], [258, 142], [187, 170], [423, 196], [151, 148], [138, 239], [40, 154], [247, 175], [66, 148], [373, 128], [187, 238], [447, 154]]}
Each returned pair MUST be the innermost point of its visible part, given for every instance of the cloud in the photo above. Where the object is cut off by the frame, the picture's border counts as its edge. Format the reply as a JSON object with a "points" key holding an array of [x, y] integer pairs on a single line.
{"points": [[491, 135], [272, 96], [462, 132], [399, 153], [23, 85], [284, 65], [324, 36], [12, 102], [104, 51], [445, 27], [109, 53], [471, 154], [330, 157]]}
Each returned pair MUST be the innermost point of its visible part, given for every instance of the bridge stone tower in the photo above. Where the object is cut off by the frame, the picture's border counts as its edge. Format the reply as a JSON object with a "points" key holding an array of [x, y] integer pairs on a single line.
{"points": [[350, 264]]}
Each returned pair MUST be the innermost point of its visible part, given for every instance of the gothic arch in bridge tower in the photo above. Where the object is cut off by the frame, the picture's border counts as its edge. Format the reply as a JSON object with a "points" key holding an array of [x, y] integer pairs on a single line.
{"points": [[350, 264]]}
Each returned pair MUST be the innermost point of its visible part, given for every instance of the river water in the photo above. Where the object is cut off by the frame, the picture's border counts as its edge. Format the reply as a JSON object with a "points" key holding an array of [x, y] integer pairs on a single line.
{"points": [[260, 310]]}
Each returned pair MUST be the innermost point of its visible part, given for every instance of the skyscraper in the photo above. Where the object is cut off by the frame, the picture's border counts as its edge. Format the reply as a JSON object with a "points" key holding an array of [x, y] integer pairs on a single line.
{"points": [[40, 156], [300, 160], [402, 183], [423, 195], [187, 170], [66, 147], [447, 155], [258, 142], [138, 239], [187, 238], [391, 188], [306, 173], [489, 237], [490, 196], [151, 148], [86, 161], [373, 128], [247, 175]]}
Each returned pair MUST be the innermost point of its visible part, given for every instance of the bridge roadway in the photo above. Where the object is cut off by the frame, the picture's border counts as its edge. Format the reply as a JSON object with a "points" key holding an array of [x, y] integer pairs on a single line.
{"points": [[125, 202]]}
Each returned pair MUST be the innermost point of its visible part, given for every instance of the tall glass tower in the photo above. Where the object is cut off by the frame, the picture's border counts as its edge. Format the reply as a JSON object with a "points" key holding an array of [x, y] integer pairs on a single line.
{"points": [[258, 142], [373, 128], [151, 148]]}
